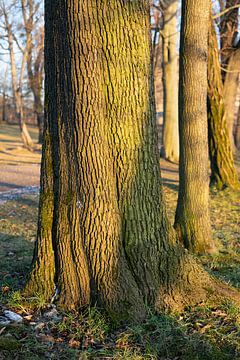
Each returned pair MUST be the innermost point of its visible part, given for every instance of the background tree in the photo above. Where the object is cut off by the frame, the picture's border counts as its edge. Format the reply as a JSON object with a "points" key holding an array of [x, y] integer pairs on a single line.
{"points": [[231, 85], [230, 60], [170, 149], [103, 233], [223, 172], [192, 220], [16, 83], [237, 131], [31, 11], [3, 86]]}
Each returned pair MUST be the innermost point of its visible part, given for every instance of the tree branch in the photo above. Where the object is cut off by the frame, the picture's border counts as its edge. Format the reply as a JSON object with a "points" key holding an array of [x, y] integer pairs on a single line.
{"points": [[225, 11]]}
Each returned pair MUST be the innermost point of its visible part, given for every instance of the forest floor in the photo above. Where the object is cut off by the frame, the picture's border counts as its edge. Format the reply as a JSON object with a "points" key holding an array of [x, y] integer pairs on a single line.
{"points": [[204, 332]]}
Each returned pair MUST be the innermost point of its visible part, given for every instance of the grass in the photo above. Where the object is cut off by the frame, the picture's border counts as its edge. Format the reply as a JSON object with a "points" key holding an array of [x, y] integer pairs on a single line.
{"points": [[200, 333]]}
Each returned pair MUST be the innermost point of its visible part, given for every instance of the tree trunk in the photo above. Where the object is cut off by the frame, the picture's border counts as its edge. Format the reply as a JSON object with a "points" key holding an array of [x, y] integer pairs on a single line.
{"points": [[4, 118], [16, 87], [230, 91], [223, 172], [170, 150], [34, 67], [228, 34], [103, 233], [38, 106], [237, 131], [192, 214], [230, 61]]}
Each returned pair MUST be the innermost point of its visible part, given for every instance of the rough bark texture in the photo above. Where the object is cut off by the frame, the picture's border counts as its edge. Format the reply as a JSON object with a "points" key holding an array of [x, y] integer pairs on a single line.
{"points": [[103, 234], [223, 172], [170, 150], [192, 220]]}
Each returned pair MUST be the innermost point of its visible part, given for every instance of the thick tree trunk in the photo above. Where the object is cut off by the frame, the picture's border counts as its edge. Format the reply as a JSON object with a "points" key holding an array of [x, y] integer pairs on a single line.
{"points": [[170, 150], [192, 214], [103, 233], [223, 172], [230, 91]]}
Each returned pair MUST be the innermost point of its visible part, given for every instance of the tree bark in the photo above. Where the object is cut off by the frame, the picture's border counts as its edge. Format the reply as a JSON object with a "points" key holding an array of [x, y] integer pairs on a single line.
{"points": [[230, 62], [223, 172], [230, 91], [103, 232], [192, 214], [170, 149]]}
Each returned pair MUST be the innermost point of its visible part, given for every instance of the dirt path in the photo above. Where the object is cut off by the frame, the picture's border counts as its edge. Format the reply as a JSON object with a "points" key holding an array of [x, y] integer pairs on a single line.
{"points": [[15, 177], [20, 168]]}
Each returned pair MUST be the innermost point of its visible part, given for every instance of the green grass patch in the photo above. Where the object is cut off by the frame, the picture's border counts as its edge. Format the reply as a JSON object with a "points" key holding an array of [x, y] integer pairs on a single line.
{"points": [[200, 333]]}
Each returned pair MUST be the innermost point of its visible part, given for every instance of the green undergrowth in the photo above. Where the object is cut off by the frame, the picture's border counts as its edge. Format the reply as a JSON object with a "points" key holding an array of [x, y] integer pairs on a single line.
{"points": [[225, 219], [200, 333]]}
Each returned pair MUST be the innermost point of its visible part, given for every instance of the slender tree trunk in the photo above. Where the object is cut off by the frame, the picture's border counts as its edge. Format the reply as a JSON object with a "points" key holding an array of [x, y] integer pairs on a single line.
{"points": [[192, 220], [4, 119], [38, 107], [170, 150], [230, 91], [103, 233], [157, 67], [237, 131], [223, 172], [230, 60], [16, 87], [228, 34], [35, 77]]}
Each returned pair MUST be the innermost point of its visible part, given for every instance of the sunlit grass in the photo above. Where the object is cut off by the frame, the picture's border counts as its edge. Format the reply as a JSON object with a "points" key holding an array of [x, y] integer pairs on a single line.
{"points": [[205, 332]]}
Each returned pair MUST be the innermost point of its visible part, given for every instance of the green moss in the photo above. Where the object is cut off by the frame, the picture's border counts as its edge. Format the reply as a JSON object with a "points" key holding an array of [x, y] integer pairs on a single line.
{"points": [[9, 343]]}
